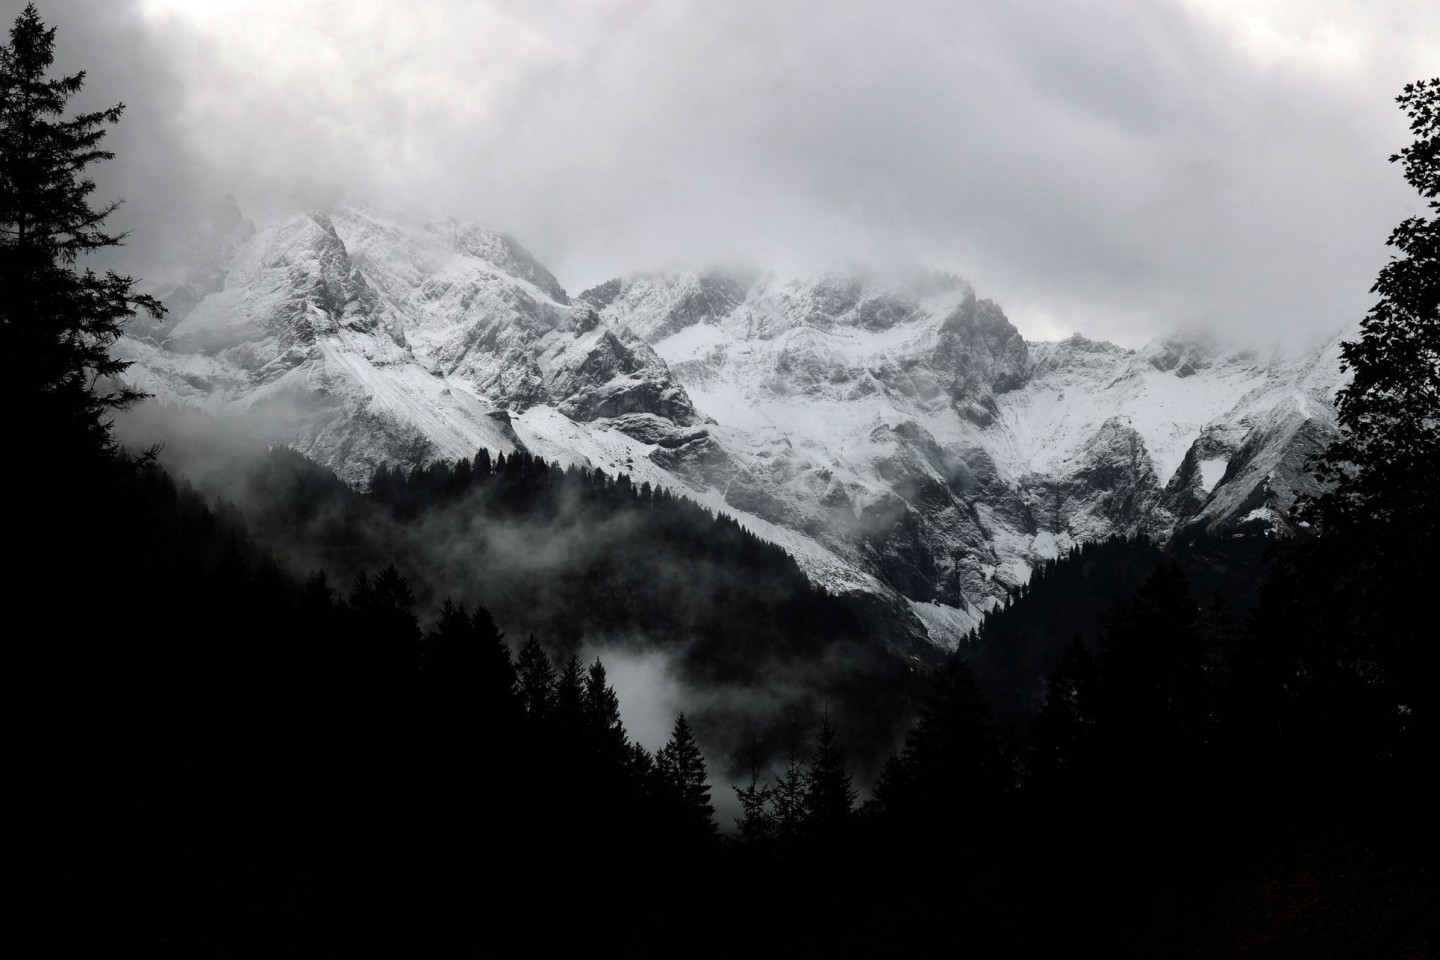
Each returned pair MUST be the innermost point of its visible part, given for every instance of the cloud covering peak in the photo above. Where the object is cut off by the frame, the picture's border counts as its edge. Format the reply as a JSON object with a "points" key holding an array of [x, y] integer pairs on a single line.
{"points": [[1120, 168]]}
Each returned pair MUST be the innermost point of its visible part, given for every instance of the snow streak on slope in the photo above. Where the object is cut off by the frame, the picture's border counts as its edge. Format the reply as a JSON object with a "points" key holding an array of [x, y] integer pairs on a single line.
{"points": [[550, 434]]}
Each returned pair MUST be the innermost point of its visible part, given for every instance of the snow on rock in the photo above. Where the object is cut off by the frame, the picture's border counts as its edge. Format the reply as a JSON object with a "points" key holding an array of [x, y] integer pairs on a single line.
{"points": [[910, 428], [946, 625], [895, 433], [1211, 472]]}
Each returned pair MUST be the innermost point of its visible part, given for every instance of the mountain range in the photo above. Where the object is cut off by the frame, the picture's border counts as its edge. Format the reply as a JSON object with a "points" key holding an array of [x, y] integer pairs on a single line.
{"points": [[892, 431]]}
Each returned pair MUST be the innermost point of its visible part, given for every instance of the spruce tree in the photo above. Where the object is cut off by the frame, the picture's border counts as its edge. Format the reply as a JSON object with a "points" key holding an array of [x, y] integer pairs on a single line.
{"points": [[448, 643], [952, 761], [1152, 707], [570, 699], [830, 790], [681, 769], [57, 321], [383, 637], [497, 669], [468, 667], [787, 797], [755, 825], [601, 708], [639, 764], [536, 677], [1061, 741]]}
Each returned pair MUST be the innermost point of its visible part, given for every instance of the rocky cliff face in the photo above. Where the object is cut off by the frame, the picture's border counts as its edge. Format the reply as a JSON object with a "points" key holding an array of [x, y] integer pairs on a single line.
{"points": [[897, 434], [363, 341]]}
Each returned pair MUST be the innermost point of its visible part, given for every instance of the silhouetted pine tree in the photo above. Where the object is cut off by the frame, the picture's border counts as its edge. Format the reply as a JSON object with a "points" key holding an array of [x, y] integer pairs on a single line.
{"points": [[1153, 707], [952, 766], [829, 789], [466, 665], [570, 701], [1019, 646], [601, 707], [640, 764], [386, 630], [787, 797], [755, 826], [57, 322], [448, 643], [1062, 737], [681, 770], [536, 677]]}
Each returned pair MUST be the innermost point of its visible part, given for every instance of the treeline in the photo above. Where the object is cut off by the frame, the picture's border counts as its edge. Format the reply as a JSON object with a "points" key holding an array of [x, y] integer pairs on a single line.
{"points": [[586, 561], [223, 760], [1074, 595], [626, 560], [1013, 651], [567, 553], [1186, 786], [205, 756]]}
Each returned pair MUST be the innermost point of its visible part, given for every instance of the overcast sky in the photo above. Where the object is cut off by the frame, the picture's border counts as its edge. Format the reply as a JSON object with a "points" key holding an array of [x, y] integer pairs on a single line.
{"points": [[1117, 167]]}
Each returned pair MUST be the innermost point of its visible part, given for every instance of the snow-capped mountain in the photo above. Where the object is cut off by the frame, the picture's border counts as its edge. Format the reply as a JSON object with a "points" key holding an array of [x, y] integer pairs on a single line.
{"points": [[895, 433]]}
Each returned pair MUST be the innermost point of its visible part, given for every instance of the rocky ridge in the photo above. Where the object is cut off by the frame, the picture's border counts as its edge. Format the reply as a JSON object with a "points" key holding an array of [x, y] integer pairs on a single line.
{"points": [[897, 434]]}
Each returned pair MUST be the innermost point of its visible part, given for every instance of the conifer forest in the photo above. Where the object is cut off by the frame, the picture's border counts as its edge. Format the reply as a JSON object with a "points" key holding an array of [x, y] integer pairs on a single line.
{"points": [[284, 713]]}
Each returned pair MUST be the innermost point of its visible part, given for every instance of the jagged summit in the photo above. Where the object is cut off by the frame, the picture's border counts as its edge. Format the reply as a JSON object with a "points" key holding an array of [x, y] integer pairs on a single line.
{"points": [[895, 432]]}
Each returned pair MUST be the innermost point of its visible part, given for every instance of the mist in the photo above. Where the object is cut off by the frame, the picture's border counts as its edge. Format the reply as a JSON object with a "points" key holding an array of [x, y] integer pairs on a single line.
{"points": [[1122, 169], [678, 631]]}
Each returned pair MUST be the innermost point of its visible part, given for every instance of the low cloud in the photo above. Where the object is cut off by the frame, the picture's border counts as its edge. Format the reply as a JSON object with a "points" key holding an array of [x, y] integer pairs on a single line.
{"points": [[1121, 169]]}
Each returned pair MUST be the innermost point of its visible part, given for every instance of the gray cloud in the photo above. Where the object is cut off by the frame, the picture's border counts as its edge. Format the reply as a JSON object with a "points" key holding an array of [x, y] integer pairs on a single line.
{"points": [[154, 171], [1119, 168]]}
